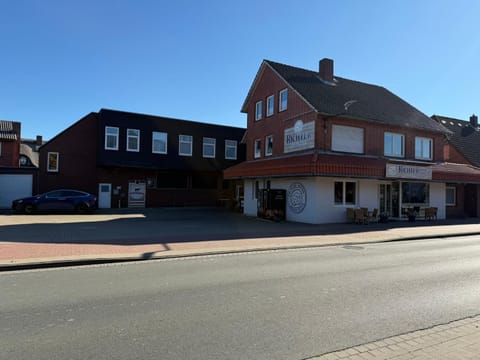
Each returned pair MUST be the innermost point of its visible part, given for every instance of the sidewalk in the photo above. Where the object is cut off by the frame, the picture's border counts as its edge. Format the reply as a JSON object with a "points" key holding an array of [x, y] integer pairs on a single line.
{"points": [[458, 340], [51, 240]]}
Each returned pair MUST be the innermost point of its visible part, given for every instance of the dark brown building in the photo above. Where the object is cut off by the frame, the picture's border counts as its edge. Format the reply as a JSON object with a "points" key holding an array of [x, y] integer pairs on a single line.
{"points": [[131, 159]]}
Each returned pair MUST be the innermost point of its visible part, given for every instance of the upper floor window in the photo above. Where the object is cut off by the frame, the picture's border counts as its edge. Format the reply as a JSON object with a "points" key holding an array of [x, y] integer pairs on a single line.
{"points": [[393, 144], [133, 140], [283, 102], [209, 147], [185, 145], [423, 148], [268, 145], [159, 142], [347, 139], [270, 105], [52, 162], [111, 138], [258, 148], [230, 149], [258, 110]]}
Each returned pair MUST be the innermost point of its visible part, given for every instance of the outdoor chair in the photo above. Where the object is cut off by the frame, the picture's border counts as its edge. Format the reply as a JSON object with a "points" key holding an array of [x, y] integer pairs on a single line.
{"points": [[431, 213], [350, 215], [373, 217], [361, 217]]}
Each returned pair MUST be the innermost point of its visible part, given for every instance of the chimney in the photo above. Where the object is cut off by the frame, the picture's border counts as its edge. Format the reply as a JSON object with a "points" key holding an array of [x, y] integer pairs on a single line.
{"points": [[325, 69], [474, 120], [39, 140]]}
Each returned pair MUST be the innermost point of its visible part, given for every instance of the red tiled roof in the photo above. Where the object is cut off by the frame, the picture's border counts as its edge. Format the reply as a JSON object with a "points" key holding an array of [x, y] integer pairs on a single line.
{"points": [[309, 165], [341, 165]]}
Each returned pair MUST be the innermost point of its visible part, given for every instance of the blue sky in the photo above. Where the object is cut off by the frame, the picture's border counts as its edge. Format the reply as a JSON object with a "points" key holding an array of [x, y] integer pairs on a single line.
{"points": [[196, 60]]}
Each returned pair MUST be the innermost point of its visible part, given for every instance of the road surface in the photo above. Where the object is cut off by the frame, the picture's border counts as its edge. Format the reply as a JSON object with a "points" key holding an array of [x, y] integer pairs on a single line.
{"points": [[291, 304]]}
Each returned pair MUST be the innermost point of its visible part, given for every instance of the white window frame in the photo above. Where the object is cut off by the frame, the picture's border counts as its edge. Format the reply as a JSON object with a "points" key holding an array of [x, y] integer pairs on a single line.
{"points": [[161, 134], [57, 158], [185, 139], [395, 137], [134, 136], [270, 105], [421, 155], [454, 189], [257, 154], [258, 110], [283, 102], [107, 135], [344, 193], [268, 151], [209, 143], [229, 145]]}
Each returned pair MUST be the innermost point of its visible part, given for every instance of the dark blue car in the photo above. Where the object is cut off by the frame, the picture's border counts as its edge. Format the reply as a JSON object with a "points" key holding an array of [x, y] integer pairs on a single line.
{"points": [[65, 200]]}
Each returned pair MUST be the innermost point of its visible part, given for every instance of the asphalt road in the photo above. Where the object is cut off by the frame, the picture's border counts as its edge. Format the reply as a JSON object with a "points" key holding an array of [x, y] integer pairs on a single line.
{"points": [[290, 304]]}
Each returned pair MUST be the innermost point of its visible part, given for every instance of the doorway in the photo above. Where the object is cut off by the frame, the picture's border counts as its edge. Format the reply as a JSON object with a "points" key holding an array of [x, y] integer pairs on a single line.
{"points": [[471, 200], [389, 199], [104, 196]]}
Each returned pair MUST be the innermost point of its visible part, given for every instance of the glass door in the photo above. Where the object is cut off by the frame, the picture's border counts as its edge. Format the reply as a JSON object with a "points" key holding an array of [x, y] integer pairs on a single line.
{"points": [[389, 199]]}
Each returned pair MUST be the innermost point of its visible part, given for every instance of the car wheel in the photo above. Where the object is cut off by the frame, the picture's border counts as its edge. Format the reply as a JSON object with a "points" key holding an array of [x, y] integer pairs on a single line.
{"points": [[82, 208], [28, 208]]}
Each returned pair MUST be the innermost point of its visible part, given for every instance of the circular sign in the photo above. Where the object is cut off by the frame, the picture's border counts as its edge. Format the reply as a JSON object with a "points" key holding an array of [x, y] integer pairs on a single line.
{"points": [[297, 198]]}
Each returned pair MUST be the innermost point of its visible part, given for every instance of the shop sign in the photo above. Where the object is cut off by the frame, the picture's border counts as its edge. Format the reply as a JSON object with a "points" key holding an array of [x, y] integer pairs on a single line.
{"points": [[409, 172], [296, 197], [299, 137]]}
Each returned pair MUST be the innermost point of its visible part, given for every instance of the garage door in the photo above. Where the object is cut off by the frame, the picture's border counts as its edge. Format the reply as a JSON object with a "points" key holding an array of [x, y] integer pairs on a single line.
{"points": [[14, 186]]}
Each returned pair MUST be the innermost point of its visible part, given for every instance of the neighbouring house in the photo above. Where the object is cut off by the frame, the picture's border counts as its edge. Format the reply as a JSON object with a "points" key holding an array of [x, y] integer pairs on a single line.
{"points": [[462, 147], [131, 159], [318, 144], [15, 181], [29, 151]]}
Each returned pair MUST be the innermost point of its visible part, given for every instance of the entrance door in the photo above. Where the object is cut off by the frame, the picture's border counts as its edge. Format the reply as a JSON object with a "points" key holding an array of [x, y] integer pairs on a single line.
{"points": [[136, 194], [389, 199], [104, 196], [471, 200]]}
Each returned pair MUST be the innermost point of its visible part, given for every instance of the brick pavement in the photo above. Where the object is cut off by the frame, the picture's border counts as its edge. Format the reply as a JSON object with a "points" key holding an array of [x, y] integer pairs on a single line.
{"points": [[457, 340]]}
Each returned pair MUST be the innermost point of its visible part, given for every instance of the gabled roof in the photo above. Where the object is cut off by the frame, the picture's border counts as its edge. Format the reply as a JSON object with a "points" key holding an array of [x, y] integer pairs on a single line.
{"points": [[464, 137], [6, 130], [372, 103]]}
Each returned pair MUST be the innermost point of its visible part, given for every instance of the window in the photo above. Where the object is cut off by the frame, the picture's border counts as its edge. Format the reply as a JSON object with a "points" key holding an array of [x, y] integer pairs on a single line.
{"points": [[230, 149], [258, 148], [270, 105], [393, 144], [209, 147], [185, 145], [423, 148], [52, 162], [415, 193], [258, 110], [345, 193], [0, 149], [111, 138], [451, 195], [268, 145], [159, 142], [347, 139], [133, 140], [283, 102]]}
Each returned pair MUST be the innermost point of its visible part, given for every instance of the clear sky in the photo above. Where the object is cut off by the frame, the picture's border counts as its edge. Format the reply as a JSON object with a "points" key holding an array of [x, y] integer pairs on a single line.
{"points": [[196, 60]]}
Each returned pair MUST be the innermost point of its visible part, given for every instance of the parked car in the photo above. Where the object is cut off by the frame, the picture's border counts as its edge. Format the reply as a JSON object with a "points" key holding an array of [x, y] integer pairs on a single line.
{"points": [[64, 199]]}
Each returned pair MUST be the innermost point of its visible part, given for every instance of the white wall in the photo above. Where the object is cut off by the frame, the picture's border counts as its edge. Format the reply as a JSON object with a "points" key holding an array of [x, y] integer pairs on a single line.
{"points": [[437, 198], [249, 201]]}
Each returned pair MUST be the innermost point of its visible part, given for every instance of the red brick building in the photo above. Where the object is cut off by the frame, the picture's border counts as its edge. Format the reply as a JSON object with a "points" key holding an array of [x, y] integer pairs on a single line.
{"points": [[332, 143]]}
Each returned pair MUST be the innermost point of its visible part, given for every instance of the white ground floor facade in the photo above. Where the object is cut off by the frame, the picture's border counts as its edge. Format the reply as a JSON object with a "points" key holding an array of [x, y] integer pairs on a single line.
{"points": [[319, 200]]}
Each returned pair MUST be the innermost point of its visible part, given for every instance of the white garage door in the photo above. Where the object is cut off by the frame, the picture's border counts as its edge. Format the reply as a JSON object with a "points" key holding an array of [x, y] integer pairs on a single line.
{"points": [[14, 186]]}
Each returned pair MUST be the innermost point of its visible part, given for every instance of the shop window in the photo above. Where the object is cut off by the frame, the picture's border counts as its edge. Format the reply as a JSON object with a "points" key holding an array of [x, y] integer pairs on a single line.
{"points": [[172, 180], [345, 193], [393, 144], [347, 139], [415, 193], [204, 181], [423, 148], [451, 195]]}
